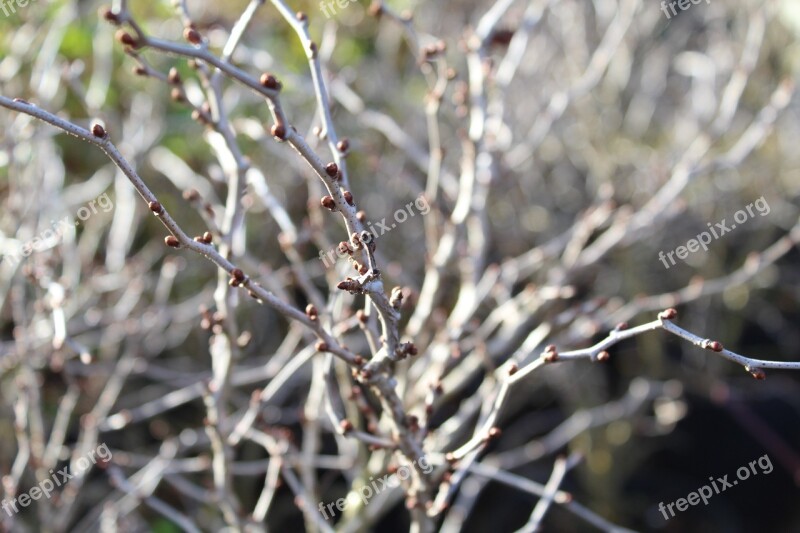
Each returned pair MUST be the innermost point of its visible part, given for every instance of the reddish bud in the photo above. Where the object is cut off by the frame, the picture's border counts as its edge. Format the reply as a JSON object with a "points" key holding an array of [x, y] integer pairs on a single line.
{"points": [[191, 195], [302, 17], [279, 131], [126, 38], [494, 432], [328, 203], [361, 216], [139, 70], [191, 35], [358, 360], [311, 312], [155, 207], [174, 77], [714, 346], [362, 316], [346, 426], [375, 9], [668, 314], [172, 241], [321, 346], [603, 356], [331, 169], [757, 373], [108, 15], [99, 131], [343, 145], [512, 369], [208, 238], [237, 274], [622, 326], [270, 82], [177, 95]]}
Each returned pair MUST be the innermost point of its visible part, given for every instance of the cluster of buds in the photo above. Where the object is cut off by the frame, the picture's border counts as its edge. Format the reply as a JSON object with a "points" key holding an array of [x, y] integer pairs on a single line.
{"points": [[205, 238], [550, 354], [210, 321], [407, 349], [714, 346], [433, 50], [311, 312]]}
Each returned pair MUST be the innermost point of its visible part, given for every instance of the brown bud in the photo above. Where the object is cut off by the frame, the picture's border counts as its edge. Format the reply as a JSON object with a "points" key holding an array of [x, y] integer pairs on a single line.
{"points": [[621, 326], [172, 241], [270, 82], [331, 169], [362, 316], [126, 38], [348, 197], [714, 346], [279, 131], [343, 145], [361, 216], [603, 356], [494, 432], [668, 314], [191, 35], [313, 49], [191, 195], [302, 17], [550, 348], [174, 77], [139, 70], [321, 346], [358, 360], [177, 95], [208, 238], [375, 9], [512, 369], [237, 274], [108, 15], [311, 312], [99, 131], [328, 203], [757, 373], [155, 207], [346, 426]]}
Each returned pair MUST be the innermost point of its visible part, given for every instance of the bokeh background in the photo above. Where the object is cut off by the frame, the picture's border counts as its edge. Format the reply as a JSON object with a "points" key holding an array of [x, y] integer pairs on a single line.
{"points": [[630, 115]]}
